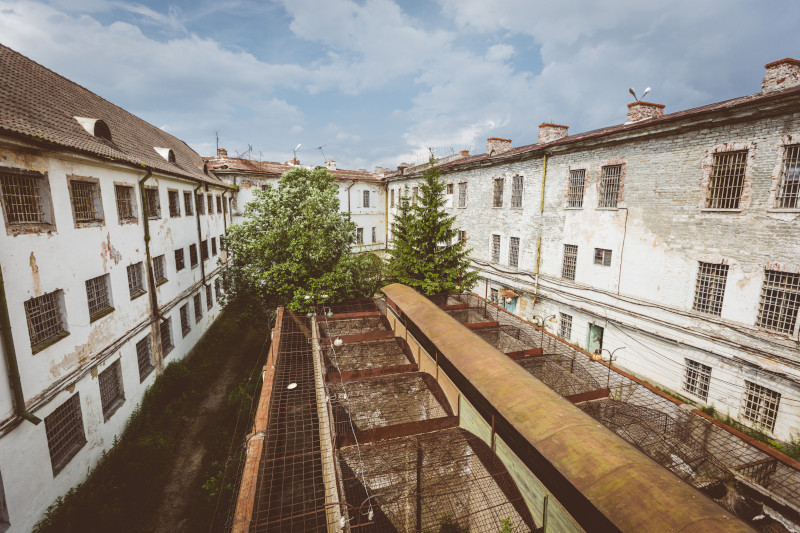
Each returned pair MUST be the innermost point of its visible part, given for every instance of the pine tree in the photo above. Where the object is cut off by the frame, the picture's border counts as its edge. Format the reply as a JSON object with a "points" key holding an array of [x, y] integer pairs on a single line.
{"points": [[426, 254]]}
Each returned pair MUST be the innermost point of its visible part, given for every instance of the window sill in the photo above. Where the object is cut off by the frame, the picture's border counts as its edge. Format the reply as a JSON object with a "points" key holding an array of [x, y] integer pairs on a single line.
{"points": [[713, 210], [90, 224], [186, 331], [58, 467], [161, 282], [607, 209], [32, 227], [128, 221], [195, 265], [113, 409], [137, 294], [784, 210], [36, 348], [165, 350], [576, 208], [156, 217], [100, 314]]}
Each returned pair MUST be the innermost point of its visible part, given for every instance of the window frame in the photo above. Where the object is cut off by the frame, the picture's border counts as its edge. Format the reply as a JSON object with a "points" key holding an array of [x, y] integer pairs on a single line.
{"points": [[359, 236], [180, 259], [784, 295], [160, 269], [365, 199], [754, 406], [576, 188], [198, 308], [166, 326], [498, 191], [696, 379], [136, 286], [145, 367], [513, 251], [569, 262], [75, 440], [109, 381], [602, 256], [565, 326], [56, 304], [186, 325], [43, 198], [517, 191], [462, 195], [188, 208], [153, 207], [193, 257], [609, 187], [709, 293], [495, 245], [790, 157], [98, 219], [209, 297], [130, 191], [200, 203], [174, 206], [99, 286]]}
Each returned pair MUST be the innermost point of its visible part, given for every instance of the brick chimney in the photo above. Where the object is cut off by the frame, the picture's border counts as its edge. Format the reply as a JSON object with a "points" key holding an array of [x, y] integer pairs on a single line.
{"points": [[551, 132], [222, 152], [464, 153], [497, 145], [780, 75], [642, 110], [330, 164]]}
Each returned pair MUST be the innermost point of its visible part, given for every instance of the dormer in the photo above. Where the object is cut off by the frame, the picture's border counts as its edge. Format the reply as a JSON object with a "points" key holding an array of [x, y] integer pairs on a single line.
{"points": [[95, 127], [166, 153]]}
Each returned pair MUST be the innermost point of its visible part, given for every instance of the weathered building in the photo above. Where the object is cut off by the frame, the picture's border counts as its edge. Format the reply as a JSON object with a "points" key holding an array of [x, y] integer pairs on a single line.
{"points": [[362, 194], [673, 236], [109, 250]]}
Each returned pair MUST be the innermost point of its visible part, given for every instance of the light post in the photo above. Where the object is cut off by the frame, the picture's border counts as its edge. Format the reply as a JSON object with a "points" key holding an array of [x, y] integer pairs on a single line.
{"points": [[610, 360], [551, 318]]}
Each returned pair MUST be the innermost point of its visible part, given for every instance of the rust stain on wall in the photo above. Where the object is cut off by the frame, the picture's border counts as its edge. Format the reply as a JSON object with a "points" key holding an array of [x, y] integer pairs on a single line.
{"points": [[37, 290], [108, 252]]}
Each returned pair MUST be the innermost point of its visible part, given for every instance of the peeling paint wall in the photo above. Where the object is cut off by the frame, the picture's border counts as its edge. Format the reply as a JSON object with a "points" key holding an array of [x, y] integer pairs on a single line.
{"points": [[63, 258]]}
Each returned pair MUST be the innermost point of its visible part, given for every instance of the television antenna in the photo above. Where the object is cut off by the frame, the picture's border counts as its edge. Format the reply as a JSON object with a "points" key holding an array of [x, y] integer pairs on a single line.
{"points": [[636, 97]]}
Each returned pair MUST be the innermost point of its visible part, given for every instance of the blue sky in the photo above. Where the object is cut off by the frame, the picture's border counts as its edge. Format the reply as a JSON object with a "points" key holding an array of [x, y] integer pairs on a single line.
{"points": [[376, 82]]}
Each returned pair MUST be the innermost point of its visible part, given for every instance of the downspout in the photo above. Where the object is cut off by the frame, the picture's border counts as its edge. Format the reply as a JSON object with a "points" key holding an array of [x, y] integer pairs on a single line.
{"points": [[541, 230], [11, 358], [386, 218], [353, 182], [200, 234], [622, 249], [224, 213], [151, 280]]}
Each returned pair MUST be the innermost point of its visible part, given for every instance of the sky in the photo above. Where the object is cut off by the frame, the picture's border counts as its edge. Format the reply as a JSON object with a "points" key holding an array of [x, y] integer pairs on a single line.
{"points": [[378, 82]]}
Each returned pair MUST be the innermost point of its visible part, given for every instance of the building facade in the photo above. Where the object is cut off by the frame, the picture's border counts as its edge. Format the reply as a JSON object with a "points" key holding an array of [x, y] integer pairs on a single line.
{"points": [[671, 241], [362, 194], [109, 253]]}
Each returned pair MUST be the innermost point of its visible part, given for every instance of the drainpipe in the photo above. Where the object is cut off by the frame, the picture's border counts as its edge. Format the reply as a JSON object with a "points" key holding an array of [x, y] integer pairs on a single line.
{"points": [[151, 279], [11, 358], [353, 182], [386, 217], [224, 213], [541, 229], [200, 234]]}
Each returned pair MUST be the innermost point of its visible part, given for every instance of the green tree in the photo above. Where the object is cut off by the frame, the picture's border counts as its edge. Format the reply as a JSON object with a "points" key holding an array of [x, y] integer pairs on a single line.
{"points": [[293, 247], [426, 254]]}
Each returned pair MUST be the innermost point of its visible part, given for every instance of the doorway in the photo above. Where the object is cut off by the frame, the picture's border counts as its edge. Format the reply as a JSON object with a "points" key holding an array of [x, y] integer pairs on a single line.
{"points": [[595, 343]]}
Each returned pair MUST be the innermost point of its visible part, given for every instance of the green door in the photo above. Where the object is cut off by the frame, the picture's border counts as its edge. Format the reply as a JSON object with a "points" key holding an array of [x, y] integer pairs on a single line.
{"points": [[595, 343]]}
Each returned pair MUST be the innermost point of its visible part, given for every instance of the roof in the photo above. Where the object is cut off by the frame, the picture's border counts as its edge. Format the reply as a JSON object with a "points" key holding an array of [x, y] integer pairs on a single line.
{"points": [[40, 106], [696, 112], [272, 169]]}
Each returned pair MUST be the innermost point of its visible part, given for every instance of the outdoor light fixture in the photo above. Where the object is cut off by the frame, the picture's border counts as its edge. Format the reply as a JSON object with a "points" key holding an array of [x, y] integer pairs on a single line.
{"points": [[292, 386], [337, 342], [549, 318]]}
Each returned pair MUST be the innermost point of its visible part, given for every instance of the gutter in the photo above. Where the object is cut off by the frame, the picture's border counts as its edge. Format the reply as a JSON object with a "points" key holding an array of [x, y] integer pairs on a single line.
{"points": [[200, 234], [11, 358]]}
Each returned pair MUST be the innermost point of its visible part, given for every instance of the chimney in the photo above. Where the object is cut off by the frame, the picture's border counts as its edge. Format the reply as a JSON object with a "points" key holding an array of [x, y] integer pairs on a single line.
{"points": [[497, 145], [222, 152], [551, 132], [464, 153], [401, 168], [643, 110], [780, 75], [330, 164]]}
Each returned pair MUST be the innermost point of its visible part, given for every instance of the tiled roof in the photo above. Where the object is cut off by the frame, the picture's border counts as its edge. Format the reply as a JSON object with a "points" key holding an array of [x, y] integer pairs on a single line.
{"points": [[274, 170], [39, 105]]}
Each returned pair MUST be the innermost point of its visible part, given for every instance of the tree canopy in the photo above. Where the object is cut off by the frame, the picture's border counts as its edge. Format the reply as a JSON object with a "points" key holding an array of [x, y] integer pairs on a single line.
{"points": [[426, 254], [293, 247]]}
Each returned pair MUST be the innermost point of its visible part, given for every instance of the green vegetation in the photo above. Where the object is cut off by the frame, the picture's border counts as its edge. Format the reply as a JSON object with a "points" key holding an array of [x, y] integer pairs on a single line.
{"points": [[506, 525], [294, 247], [124, 492], [426, 254]]}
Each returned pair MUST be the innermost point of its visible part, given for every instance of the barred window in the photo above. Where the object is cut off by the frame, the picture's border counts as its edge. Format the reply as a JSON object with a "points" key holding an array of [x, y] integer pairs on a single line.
{"points": [[98, 294], [495, 248], [760, 405], [218, 288], [414, 194], [513, 251], [449, 188], [710, 290], [187, 203], [126, 203], [462, 235], [64, 429], [366, 198], [166, 336], [788, 196], [153, 202], [186, 327], [780, 301], [144, 356], [210, 204], [204, 249], [391, 198], [112, 394], [516, 191], [374, 235], [209, 298], [219, 204], [160, 269], [193, 255], [602, 257], [494, 295], [497, 192], [86, 206], [565, 326], [696, 379], [726, 180], [577, 180], [25, 197], [214, 245], [174, 204], [179, 261], [198, 308], [569, 262], [201, 205], [136, 279], [45, 319], [462, 194], [360, 235], [609, 186]]}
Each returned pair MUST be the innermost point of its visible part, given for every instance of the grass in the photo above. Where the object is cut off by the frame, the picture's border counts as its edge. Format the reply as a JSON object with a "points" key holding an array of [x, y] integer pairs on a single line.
{"points": [[124, 491]]}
